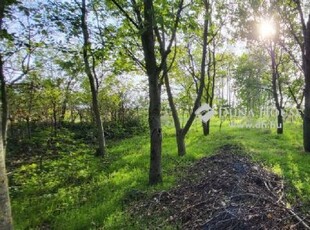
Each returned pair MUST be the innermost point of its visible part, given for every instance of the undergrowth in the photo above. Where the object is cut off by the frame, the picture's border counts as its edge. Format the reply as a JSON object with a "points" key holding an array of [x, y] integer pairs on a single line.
{"points": [[75, 190]]}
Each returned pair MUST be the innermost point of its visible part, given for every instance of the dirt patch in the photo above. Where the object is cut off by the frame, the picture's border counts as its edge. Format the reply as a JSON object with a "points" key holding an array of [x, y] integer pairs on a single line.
{"points": [[225, 191]]}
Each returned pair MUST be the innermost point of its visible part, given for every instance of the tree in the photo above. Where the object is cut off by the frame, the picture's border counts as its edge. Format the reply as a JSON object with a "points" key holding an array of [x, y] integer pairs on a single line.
{"points": [[250, 77], [181, 132], [73, 67], [91, 74], [5, 206], [21, 41], [276, 87], [74, 23], [304, 44], [210, 86], [298, 30], [270, 28], [145, 19]]}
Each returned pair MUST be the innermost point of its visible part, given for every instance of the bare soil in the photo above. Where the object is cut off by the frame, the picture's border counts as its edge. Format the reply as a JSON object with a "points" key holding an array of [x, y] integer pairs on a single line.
{"points": [[226, 191]]}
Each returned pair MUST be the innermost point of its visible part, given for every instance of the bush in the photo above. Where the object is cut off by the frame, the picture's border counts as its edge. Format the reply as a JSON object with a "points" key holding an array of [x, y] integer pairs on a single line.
{"points": [[131, 126]]}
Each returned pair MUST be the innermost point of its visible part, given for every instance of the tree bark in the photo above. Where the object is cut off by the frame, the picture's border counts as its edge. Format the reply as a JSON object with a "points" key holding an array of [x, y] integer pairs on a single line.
{"points": [[4, 104], [148, 44], [306, 59], [280, 123], [206, 128], [92, 82], [5, 207]]}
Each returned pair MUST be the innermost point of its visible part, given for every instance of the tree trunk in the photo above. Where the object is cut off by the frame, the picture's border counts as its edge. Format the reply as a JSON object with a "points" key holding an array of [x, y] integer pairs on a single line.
{"points": [[275, 82], [5, 207], [306, 124], [63, 110], [64, 103], [206, 128], [180, 137], [210, 87], [148, 44], [155, 175], [202, 67], [54, 119], [306, 121], [280, 123], [28, 127], [4, 104], [181, 142], [91, 77]]}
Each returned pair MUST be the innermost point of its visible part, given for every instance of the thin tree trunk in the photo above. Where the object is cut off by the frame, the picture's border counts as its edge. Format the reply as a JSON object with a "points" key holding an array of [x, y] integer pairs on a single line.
{"points": [[4, 104], [5, 207], [202, 68], [210, 86], [64, 103], [280, 123], [28, 127], [54, 119], [92, 82], [180, 137], [275, 81], [28, 118]]}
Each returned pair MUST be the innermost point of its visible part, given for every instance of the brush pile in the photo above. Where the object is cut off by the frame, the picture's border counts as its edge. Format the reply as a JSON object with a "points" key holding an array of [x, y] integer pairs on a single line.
{"points": [[226, 191]]}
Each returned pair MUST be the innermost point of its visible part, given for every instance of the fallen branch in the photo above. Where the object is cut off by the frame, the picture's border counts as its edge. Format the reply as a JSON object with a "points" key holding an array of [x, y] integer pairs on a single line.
{"points": [[280, 201]]}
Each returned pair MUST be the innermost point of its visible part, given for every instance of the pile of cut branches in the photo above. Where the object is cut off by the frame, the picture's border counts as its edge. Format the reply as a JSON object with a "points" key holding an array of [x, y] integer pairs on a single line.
{"points": [[226, 191]]}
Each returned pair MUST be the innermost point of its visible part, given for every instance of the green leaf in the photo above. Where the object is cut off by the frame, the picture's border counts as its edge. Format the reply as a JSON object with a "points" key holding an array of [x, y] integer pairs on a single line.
{"points": [[5, 35]]}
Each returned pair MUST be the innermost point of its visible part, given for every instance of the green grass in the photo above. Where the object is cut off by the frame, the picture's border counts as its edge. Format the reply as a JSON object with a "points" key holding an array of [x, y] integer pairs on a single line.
{"points": [[78, 191]]}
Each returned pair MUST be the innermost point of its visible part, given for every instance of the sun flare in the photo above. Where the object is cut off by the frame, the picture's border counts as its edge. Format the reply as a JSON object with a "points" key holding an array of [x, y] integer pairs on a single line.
{"points": [[267, 29]]}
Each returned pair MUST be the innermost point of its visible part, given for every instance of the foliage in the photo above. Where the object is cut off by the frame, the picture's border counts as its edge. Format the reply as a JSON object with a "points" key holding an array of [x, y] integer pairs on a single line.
{"points": [[44, 143], [251, 80]]}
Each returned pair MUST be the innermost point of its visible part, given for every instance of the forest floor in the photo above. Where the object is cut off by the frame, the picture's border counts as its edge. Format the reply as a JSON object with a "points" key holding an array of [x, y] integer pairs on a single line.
{"points": [[226, 191], [57, 183]]}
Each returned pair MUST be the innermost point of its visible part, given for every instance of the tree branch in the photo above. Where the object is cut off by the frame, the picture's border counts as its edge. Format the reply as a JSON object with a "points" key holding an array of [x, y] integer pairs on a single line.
{"points": [[126, 14]]}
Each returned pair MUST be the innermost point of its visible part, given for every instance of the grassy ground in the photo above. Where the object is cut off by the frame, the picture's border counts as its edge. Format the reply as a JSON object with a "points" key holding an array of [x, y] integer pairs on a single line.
{"points": [[78, 191]]}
